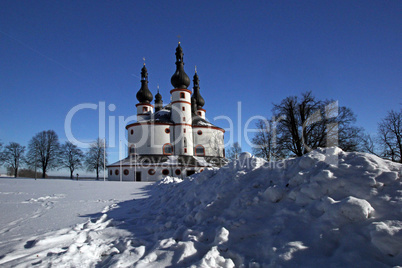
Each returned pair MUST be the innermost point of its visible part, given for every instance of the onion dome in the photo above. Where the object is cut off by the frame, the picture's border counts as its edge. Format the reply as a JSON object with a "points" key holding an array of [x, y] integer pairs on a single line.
{"points": [[193, 105], [196, 95], [179, 78], [158, 101], [144, 95]]}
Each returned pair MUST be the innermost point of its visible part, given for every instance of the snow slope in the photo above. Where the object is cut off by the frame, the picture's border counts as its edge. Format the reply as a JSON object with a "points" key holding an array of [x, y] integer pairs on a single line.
{"points": [[32, 208], [325, 209]]}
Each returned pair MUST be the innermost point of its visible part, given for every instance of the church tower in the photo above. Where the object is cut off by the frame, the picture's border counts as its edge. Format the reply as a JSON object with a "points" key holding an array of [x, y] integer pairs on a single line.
{"points": [[144, 96], [197, 101], [181, 108], [158, 101]]}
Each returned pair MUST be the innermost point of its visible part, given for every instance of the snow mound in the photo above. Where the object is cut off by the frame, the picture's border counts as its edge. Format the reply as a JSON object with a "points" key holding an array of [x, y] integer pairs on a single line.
{"points": [[327, 207]]}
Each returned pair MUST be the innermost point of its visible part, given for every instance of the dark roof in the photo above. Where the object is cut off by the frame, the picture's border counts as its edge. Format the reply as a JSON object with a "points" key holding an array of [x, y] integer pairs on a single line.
{"points": [[158, 97], [179, 78], [199, 121], [196, 95], [162, 116], [144, 95]]}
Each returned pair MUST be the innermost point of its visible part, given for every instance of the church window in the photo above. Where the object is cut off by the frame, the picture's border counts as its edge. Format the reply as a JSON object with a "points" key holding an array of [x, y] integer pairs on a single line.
{"points": [[167, 149], [132, 149], [145, 109], [199, 150], [151, 171], [199, 132], [177, 172], [185, 150], [167, 130], [165, 172], [111, 172], [183, 108], [132, 132], [116, 172], [184, 119], [126, 172], [184, 130], [182, 95], [199, 113]]}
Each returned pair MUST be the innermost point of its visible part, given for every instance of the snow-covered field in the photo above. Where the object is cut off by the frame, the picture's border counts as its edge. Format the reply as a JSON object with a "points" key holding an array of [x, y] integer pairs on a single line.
{"points": [[305, 212]]}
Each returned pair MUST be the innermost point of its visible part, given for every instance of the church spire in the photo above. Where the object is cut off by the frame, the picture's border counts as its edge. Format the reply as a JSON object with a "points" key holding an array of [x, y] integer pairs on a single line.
{"points": [[158, 101], [180, 78], [199, 100], [144, 95]]}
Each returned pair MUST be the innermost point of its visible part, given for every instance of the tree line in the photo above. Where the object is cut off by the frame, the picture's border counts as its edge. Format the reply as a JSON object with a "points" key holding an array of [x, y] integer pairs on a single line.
{"points": [[302, 124], [45, 153]]}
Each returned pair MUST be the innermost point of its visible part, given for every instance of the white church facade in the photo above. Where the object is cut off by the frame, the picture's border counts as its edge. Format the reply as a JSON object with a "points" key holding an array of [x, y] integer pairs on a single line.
{"points": [[172, 140]]}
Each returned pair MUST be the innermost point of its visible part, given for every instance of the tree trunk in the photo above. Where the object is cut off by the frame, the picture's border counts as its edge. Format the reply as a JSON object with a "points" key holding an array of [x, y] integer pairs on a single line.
{"points": [[71, 173]]}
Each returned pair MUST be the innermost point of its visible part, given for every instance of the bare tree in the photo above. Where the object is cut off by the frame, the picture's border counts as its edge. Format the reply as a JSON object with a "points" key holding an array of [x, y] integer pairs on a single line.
{"points": [[1, 154], [264, 141], [70, 157], [216, 143], [14, 157], [234, 151], [95, 155], [43, 150], [308, 123], [390, 136], [369, 144]]}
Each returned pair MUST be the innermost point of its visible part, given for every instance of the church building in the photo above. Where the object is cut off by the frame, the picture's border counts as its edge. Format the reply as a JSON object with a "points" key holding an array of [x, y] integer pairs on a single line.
{"points": [[172, 140]]}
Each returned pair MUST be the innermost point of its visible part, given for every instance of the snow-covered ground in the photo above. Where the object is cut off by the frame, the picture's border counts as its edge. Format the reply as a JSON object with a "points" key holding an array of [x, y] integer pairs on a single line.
{"points": [[325, 209]]}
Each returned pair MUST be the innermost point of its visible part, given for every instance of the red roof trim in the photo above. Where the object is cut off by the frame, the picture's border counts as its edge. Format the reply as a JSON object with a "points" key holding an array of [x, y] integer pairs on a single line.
{"points": [[179, 124], [147, 123], [179, 101], [217, 128], [180, 89]]}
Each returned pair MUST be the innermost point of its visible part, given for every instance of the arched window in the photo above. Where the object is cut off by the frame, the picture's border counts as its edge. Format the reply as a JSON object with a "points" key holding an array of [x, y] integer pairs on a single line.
{"points": [[132, 132], [199, 150], [182, 95], [185, 142], [132, 149], [167, 149], [111, 172], [116, 172]]}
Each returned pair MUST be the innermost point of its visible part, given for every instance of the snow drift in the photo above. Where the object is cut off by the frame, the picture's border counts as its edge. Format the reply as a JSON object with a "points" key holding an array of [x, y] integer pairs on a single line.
{"points": [[327, 208]]}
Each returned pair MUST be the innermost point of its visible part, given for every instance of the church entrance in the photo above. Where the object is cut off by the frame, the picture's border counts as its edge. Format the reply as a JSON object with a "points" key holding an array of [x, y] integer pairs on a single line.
{"points": [[190, 172], [137, 176]]}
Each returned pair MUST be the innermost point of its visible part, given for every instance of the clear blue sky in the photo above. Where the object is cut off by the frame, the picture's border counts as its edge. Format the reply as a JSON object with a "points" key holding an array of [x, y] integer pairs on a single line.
{"points": [[55, 55]]}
